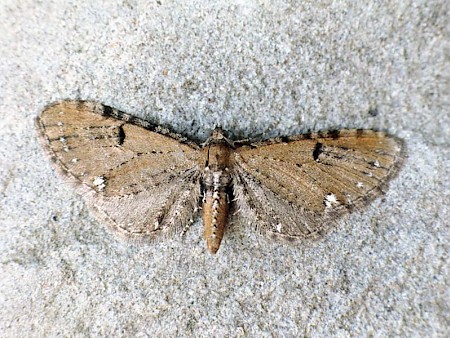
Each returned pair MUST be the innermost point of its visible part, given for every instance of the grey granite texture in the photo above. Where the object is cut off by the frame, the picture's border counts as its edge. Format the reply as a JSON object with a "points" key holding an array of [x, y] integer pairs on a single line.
{"points": [[258, 69]]}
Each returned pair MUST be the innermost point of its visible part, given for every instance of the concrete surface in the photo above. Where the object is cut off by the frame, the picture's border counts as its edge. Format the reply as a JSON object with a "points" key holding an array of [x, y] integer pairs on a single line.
{"points": [[259, 69]]}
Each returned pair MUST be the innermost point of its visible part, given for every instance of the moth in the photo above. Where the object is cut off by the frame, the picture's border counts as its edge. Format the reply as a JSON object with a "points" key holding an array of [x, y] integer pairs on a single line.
{"points": [[147, 182]]}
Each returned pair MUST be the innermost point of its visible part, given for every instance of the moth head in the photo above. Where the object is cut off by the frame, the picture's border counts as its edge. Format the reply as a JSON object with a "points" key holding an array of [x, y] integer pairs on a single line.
{"points": [[218, 135]]}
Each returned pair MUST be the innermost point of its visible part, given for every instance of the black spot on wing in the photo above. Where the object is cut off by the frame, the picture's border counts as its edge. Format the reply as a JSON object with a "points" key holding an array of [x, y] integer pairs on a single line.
{"points": [[359, 132], [307, 136], [121, 135], [318, 149], [107, 111], [334, 134]]}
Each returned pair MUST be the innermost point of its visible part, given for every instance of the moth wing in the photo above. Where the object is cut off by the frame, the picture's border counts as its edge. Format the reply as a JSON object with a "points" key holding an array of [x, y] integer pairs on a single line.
{"points": [[297, 187], [139, 178]]}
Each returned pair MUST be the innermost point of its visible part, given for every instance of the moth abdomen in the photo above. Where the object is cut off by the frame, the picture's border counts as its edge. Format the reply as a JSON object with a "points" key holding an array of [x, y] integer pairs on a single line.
{"points": [[216, 206]]}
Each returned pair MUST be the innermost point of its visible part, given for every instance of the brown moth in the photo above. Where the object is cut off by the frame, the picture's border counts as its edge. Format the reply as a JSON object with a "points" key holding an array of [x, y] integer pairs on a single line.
{"points": [[145, 181]]}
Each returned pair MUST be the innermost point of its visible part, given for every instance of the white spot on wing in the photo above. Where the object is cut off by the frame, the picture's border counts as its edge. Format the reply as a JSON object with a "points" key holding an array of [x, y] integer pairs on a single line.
{"points": [[99, 182], [330, 200], [279, 227]]}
